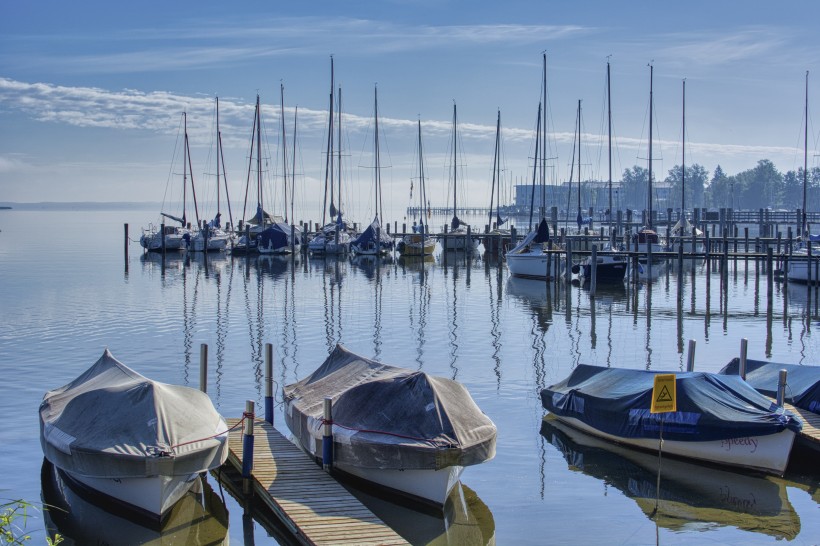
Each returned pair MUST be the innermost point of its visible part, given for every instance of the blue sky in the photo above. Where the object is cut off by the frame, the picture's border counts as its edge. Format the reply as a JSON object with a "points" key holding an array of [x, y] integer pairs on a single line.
{"points": [[91, 93]]}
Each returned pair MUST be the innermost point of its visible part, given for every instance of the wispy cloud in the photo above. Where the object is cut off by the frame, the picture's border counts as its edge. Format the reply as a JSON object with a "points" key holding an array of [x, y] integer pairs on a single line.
{"points": [[719, 48]]}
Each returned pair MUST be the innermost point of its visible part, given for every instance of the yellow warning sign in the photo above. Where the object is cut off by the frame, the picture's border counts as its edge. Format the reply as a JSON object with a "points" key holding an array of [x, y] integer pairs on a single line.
{"points": [[663, 394]]}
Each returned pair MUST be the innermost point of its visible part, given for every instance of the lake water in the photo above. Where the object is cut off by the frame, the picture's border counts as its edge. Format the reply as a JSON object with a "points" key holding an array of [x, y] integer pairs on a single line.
{"points": [[68, 293]]}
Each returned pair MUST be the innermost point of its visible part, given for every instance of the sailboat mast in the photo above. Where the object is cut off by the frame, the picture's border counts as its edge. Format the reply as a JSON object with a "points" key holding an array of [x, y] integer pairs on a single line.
{"points": [[805, 156], [293, 164], [378, 181], [259, 160], [580, 218], [535, 163], [221, 159], [455, 158], [495, 166], [609, 130], [284, 149], [184, 164], [217, 155], [422, 189], [544, 137], [651, 75], [683, 156], [339, 153]]}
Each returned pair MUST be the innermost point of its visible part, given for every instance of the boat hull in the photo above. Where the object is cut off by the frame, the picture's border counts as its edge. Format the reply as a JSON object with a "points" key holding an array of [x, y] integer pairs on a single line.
{"points": [[529, 265], [461, 242], [769, 453], [431, 487]]}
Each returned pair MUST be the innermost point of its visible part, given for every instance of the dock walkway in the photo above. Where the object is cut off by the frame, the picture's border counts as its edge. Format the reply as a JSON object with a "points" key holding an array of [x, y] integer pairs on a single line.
{"points": [[810, 434], [314, 506]]}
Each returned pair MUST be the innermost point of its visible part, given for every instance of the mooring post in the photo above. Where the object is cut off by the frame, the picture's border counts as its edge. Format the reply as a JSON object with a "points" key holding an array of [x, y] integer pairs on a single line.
{"points": [[269, 383], [744, 345], [568, 268], [162, 237], [292, 240], [247, 447], [327, 436], [468, 243], [781, 387], [126, 246], [769, 276], [690, 357], [593, 276], [203, 367]]}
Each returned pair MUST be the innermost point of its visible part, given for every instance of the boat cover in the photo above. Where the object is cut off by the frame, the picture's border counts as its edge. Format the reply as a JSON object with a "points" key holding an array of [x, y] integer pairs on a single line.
{"points": [[368, 236], [387, 417], [709, 406], [802, 382], [113, 422], [277, 236], [537, 236]]}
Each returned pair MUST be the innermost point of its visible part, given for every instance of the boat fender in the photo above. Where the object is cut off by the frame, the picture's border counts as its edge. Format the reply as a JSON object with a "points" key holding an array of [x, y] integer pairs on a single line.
{"points": [[576, 269]]}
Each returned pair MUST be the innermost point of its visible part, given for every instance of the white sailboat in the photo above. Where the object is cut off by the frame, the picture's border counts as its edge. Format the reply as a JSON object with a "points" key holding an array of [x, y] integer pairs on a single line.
{"points": [[459, 237], [419, 243]]}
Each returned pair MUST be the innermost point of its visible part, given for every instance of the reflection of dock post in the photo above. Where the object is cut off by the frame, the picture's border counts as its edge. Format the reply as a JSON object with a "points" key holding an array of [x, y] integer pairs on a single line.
{"points": [[744, 345], [203, 367], [327, 436], [247, 448], [781, 387], [690, 357], [269, 383]]}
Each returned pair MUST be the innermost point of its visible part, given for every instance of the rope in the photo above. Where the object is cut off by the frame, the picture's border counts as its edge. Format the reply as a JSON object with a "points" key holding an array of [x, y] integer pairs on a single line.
{"points": [[397, 435], [245, 415]]}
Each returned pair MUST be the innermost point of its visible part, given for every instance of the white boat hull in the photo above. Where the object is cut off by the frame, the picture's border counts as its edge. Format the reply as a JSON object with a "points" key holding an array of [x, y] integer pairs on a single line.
{"points": [[459, 241], [530, 265], [768, 453], [430, 486], [151, 497], [798, 269]]}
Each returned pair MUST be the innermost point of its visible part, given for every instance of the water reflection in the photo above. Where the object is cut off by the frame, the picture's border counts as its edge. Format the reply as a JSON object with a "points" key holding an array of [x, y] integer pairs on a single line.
{"points": [[690, 495], [465, 519], [200, 517], [537, 297]]}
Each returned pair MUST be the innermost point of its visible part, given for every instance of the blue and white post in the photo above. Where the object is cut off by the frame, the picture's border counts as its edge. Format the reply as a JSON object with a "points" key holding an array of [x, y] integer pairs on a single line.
{"points": [[269, 383], [327, 437], [247, 447]]}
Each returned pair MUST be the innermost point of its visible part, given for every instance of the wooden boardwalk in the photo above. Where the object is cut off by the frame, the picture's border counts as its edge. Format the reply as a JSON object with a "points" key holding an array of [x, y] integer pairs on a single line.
{"points": [[811, 426], [314, 506]]}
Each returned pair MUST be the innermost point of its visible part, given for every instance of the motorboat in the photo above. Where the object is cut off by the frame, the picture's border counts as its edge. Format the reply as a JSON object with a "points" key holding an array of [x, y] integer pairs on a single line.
{"points": [[719, 419], [610, 267], [398, 429], [803, 381], [135, 444]]}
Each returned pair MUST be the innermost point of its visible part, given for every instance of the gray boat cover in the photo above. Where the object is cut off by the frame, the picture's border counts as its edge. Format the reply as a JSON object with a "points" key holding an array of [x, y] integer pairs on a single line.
{"points": [[387, 417], [113, 422], [802, 382], [709, 406]]}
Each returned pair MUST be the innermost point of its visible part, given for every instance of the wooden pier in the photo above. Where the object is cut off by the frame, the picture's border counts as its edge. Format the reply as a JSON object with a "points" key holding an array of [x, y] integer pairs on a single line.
{"points": [[810, 434], [314, 506]]}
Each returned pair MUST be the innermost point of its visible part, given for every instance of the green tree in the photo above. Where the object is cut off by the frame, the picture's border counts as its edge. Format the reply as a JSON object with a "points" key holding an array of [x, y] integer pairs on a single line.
{"points": [[634, 187], [719, 192], [759, 187], [695, 182]]}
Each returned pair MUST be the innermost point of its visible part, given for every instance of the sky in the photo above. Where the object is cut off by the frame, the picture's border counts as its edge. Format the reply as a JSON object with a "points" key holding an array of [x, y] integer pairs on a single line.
{"points": [[92, 94]]}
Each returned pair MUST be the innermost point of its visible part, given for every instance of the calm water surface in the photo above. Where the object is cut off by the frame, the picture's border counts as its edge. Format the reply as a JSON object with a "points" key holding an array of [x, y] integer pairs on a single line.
{"points": [[68, 293]]}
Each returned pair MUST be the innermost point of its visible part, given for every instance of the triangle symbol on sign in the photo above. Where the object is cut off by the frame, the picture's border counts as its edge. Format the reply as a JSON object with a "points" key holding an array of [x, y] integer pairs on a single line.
{"points": [[664, 395]]}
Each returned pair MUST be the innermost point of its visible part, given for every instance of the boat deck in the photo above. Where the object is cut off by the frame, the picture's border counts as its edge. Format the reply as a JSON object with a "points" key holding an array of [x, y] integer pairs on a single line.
{"points": [[306, 498]]}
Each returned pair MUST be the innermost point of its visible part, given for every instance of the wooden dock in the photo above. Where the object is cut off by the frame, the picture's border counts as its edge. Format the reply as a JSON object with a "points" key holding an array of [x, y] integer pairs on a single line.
{"points": [[314, 506], [810, 434]]}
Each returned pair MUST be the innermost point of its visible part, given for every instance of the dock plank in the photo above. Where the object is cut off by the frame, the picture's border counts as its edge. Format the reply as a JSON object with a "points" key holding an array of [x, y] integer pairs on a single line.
{"points": [[305, 497], [811, 423]]}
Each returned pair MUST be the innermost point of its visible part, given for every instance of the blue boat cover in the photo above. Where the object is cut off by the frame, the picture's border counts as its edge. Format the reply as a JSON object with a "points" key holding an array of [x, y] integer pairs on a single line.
{"points": [[709, 406], [276, 236], [802, 382], [368, 236]]}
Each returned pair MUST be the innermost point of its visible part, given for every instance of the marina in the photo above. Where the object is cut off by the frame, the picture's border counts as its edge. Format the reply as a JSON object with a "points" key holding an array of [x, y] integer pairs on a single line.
{"points": [[457, 315]]}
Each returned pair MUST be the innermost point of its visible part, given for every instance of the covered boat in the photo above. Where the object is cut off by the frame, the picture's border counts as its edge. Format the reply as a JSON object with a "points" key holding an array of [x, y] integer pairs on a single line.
{"points": [[803, 381], [529, 258], [136, 444], [400, 429], [719, 418]]}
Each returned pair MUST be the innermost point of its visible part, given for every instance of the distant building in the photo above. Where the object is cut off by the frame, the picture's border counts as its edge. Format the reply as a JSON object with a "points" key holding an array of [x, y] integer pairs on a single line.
{"points": [[594, 195]]}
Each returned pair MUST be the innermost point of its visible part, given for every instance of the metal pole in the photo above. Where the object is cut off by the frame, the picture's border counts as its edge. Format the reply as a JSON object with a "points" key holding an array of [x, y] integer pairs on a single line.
{"points": [[269, 383], [247, 447], [744, 345], [327, 436], [690, 358], [203, 367], [781, 387]]}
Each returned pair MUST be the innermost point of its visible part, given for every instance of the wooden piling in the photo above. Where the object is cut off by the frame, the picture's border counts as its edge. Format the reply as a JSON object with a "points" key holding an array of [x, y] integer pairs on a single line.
{"points": [[247, 448], [203, 367], [269, 383]]}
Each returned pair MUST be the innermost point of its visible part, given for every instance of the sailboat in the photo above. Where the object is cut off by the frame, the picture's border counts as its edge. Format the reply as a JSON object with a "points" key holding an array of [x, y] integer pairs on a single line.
{"points": [[153, 238], [683, 232], [211, 236], [646, 240], [497, 238], [530, 257], [280, 237], [610, 265], [334, 236], [802, 269], [457, 238], [373, 241], [419, 243]]}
